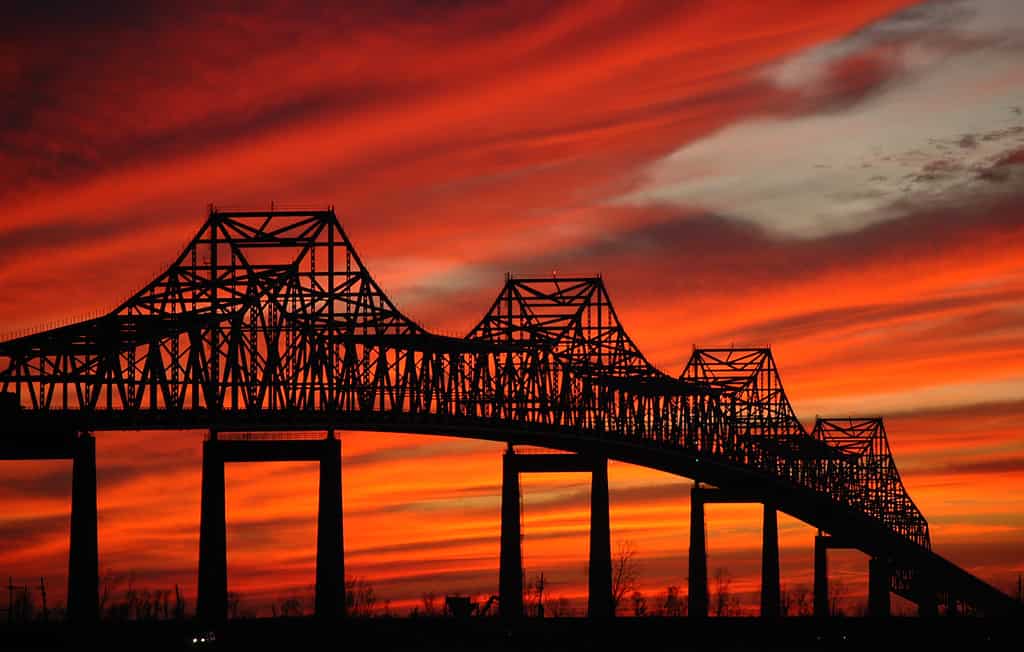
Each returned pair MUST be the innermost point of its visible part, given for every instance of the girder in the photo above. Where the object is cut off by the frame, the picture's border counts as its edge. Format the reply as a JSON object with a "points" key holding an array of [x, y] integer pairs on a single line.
{"points": [[271, 318]]}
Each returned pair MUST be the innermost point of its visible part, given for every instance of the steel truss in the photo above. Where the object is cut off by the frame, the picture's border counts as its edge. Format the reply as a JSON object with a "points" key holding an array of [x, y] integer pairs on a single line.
{"points": [[273, 312]]}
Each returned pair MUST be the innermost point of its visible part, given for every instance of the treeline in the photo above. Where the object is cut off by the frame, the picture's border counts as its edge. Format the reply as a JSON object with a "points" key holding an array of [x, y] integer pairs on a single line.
{"points": [[120, 600]]}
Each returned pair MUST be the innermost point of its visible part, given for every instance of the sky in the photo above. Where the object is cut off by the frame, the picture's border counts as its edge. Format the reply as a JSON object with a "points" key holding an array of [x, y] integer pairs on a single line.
{"points": [[842, 181]]}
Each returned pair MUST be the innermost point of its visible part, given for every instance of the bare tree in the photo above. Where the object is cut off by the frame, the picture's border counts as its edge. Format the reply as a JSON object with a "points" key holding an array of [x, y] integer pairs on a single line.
{"points": [[625, 572], [725, 603], [109, 583], [837, 592], [801, 601], [360, 598], [535, 595], [179, 604], [639, 604], [785, 601], [24, 606], [234, 600], [429, 603], [673, 605], [559, 607], [291, 607]]}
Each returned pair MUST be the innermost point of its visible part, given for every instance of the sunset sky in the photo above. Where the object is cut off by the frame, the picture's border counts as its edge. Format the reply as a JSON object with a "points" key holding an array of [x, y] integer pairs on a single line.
{"points": [[841, 180]]}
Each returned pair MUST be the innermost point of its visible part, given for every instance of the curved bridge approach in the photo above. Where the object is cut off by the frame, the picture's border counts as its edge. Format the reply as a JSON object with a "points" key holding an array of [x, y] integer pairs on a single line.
{"points": [[269, 321]]}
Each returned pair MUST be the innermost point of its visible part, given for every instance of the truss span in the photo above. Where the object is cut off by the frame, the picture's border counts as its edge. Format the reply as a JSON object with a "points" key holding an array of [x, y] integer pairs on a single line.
{"points": [[269, 319]]}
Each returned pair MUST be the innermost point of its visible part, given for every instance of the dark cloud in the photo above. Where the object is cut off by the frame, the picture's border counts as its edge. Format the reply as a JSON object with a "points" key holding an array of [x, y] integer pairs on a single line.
{"points": [[801, 324], [1003, 466], [33, 531]]}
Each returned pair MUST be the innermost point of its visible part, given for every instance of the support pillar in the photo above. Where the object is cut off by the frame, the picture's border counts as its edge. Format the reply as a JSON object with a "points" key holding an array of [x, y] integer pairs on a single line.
{"points": [[878, 587], [927, 601], [821, 609], [698, 579], [928, 607], [600, 602], [83, 560], [510, 573], [330, 544], [212, 601], [770, 563]]}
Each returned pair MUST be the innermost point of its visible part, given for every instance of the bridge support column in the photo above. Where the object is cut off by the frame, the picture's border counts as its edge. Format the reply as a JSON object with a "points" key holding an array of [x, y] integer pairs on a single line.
{"points": [[770, 563], [879, 576], [927, 601], [698, 566], [600, 602], [330, 545], [510, 573], [928, 607], [212, 600], [821, 576], [83, 560]]}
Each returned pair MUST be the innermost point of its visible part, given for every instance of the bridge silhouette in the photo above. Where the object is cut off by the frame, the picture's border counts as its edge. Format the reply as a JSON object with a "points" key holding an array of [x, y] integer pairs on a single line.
{"points": [[269, 323]]}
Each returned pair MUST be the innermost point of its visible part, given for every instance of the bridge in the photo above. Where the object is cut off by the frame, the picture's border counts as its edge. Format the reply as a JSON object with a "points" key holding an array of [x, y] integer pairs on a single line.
{"points": [[269, 323]]}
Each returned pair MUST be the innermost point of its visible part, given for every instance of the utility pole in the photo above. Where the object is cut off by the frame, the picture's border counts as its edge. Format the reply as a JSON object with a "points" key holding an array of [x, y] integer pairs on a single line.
{"points": [[10, 599]]}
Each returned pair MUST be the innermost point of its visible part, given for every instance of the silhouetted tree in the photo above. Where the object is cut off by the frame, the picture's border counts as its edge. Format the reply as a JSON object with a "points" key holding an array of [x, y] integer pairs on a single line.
{"points": [[360, 598], [639, 604], [800, 602], [672, 604], [559, 607], [837, 592], [179, 604], [625, 572], [291, 607], [23, 608], [109, 583], [429, 603], [724, 603], [234, 600], [535, 595]]}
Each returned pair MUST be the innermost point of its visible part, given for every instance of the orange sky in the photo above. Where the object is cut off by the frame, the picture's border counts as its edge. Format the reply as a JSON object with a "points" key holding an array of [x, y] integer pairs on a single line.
{"points": [[768, 173]]}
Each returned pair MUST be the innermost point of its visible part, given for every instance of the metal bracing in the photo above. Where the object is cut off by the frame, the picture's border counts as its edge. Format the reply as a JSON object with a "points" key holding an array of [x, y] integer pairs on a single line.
{"points": [[270, 317], [866, 473]]}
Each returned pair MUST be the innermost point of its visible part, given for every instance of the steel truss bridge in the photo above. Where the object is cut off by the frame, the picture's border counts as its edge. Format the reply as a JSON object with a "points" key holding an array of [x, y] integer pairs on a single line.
{"points": [[269, 321]]}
